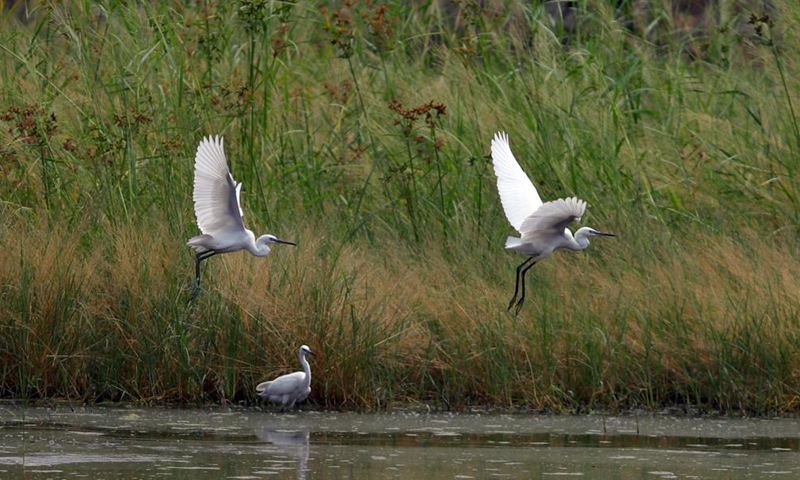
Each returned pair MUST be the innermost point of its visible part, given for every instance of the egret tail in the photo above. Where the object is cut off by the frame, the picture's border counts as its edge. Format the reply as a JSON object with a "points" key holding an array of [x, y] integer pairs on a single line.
{"points": [[513, 242]]}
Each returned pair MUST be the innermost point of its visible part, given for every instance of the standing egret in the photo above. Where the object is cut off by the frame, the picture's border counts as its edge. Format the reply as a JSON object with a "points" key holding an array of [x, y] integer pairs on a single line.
{"points": [[543, 226], [290, 388], [219, 213]]}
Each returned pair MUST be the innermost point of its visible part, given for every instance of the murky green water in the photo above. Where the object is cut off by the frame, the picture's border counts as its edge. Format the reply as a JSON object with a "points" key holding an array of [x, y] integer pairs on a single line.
{"points": [[139, 443]]}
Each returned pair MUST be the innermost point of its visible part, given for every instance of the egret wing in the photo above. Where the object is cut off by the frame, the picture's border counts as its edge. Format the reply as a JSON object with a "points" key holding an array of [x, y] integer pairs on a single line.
{"points": [[284, 385], [553, 217], [216, 193], [517, 193], [238, 196]]}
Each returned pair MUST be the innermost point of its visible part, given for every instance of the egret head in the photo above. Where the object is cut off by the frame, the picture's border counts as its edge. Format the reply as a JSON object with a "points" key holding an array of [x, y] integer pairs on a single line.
{"points": [[583, 234], [304, 350], [591, 232], [273, 239]]}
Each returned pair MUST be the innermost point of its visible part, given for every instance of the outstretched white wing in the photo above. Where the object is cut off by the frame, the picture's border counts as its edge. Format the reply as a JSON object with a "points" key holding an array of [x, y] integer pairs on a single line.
{"points": [[517, 194], [216, 193], [552, 218]]}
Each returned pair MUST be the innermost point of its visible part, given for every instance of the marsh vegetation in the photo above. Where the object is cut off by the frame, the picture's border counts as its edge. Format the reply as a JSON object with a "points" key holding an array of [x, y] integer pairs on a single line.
{"points": [[362, 132]]}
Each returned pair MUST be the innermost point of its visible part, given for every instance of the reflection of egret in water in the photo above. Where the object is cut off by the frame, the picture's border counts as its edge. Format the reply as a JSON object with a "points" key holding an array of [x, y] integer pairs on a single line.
{"points": [[290, 443]]}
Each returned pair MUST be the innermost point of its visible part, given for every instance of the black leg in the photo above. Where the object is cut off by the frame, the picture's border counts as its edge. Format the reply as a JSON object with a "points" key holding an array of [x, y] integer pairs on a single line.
{"points": [[197, 259], [516, 282], [522, 280]]}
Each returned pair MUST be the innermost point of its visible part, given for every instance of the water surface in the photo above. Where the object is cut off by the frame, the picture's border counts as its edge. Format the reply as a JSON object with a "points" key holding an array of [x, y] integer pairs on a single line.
{"points": [[154, 443]]}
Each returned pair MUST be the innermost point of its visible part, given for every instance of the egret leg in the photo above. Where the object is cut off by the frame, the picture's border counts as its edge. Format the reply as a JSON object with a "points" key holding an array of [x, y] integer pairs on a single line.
{"points": [[516, 282], [197, 259], [522, 280]]}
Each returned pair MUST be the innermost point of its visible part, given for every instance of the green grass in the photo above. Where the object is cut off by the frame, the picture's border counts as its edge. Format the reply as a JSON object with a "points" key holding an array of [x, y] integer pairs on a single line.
{"points": [[363, 134]]}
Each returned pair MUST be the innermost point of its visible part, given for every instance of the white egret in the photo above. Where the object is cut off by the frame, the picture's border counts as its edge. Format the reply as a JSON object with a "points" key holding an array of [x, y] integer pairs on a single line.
{"points": [[218, 210], [543, 226], [291, 388]]}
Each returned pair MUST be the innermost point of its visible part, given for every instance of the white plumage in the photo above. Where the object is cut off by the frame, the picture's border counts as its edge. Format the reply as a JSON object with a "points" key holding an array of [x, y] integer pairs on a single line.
{"points": [[218, 210], [517, 193], [291, 388], [216, 193], [543, 226]]}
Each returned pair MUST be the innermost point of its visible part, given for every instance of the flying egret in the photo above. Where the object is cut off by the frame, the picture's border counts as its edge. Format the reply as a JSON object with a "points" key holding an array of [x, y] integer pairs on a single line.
{"points": [[290, 388], [543, 226], [218, 210]]}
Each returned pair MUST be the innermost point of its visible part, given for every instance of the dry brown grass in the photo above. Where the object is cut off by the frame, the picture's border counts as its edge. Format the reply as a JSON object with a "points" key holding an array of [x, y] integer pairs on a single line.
{"points": [[393, 324]]}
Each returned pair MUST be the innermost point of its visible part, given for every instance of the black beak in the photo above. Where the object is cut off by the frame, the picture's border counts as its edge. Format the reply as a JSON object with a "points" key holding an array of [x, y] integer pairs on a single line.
{"points": [[285, 242]]}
